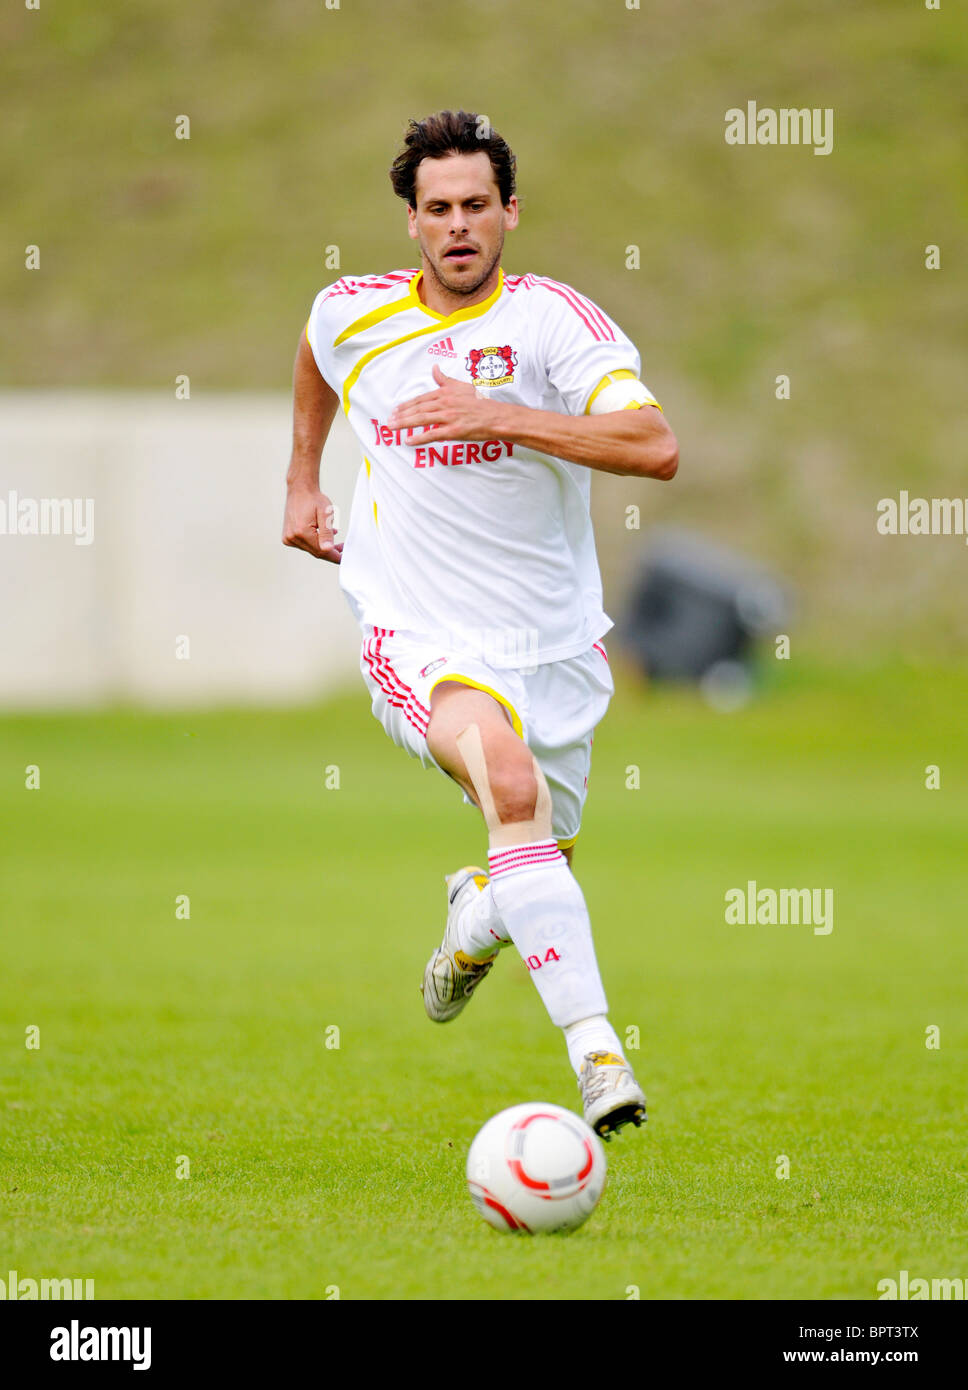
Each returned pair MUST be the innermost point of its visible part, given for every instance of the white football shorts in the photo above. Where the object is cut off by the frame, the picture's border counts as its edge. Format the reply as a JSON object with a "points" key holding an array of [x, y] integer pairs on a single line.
{"points": [[554, 707]]}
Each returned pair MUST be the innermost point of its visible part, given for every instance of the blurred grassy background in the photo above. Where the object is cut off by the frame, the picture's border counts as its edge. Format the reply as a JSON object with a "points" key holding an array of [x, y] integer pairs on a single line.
{"points": [[162, 256]]}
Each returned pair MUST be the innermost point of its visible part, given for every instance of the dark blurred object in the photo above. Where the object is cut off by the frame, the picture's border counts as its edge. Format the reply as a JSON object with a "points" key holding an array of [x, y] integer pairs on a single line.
{"points": [[696, 612]]}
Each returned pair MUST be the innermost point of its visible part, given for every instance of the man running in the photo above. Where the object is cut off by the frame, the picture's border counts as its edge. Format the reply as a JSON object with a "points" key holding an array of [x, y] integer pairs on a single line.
{"points": [[481, 402]]}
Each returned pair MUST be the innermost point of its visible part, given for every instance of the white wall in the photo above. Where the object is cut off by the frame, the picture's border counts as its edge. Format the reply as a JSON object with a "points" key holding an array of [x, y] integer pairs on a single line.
{"points": [[187, 518]]}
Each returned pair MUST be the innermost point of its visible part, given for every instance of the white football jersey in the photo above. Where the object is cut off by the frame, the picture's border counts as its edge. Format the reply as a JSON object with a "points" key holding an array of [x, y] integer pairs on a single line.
{"points": [[486, 545]]}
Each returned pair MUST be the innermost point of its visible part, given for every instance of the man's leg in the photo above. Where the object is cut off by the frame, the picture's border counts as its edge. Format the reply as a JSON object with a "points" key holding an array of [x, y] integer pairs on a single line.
{"points": [[532, 891], [453, 709]]}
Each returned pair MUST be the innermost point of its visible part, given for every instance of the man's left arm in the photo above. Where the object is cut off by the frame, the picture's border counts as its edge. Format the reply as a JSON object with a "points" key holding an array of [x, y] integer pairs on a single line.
{"points": [[631, 441], [636, 442]]}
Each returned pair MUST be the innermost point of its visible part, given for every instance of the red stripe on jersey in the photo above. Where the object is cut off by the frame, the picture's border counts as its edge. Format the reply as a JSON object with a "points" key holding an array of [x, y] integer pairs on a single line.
{"points": [[571, 298], [355, 285], [531, 282], [590, 314], [592, 308]]}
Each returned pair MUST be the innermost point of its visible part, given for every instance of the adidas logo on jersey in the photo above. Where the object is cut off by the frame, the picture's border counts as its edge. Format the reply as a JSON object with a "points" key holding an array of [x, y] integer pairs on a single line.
{"points": [[444, 347]]}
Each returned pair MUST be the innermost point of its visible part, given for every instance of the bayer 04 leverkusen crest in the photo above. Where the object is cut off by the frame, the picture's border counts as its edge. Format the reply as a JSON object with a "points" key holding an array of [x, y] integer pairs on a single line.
{"points": [[492, 366]]}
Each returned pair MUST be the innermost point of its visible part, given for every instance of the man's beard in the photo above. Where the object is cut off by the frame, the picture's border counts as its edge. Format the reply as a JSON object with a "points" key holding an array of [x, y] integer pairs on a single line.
{"points": [[464, 287]]}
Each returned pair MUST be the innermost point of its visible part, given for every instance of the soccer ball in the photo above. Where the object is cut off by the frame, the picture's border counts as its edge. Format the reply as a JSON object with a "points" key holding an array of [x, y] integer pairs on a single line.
{"points": [[536, 1168]]}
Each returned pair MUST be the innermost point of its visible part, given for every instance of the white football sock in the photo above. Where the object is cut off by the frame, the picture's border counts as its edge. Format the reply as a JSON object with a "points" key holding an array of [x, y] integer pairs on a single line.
{"points": [[544, 913], [591, 1035], [479, 928]]}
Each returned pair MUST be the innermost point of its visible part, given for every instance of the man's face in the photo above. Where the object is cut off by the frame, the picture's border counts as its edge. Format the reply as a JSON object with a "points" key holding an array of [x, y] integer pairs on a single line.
{"points": [[460, 221]]}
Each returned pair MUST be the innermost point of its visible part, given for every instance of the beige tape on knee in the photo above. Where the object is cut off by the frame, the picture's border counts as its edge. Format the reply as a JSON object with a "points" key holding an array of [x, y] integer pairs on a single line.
{"points": [[501, 833]]}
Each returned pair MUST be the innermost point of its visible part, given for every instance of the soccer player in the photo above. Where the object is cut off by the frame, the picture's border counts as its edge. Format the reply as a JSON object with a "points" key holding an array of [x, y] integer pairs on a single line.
{"points": [[481, 402]]}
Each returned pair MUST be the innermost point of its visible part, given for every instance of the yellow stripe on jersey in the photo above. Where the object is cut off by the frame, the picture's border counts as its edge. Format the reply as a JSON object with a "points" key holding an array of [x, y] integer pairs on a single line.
{"points": [[368, 357], [459, 316], [567, 844], [458, 679], [385, 311], [472, 313], [411, 300], [622, 375], [417, 303]]}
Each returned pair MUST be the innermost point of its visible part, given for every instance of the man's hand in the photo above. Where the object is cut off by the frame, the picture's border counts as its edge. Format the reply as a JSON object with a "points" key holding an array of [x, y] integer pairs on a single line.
{"points": [[631, 443], [455, 411], [309, 524]]}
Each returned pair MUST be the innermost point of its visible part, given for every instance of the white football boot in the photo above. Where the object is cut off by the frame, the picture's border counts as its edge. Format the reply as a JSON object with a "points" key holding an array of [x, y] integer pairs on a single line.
{"points": [[452, 976], [610, 1094]]}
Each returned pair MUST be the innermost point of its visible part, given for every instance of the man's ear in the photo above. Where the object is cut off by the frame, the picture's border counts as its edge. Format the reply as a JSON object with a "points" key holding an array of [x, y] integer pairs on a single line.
{"points": [[511, 213], [411, 223]]}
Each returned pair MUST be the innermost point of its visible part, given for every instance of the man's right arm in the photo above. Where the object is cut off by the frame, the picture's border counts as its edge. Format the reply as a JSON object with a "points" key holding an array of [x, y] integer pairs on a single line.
{"points": [[309, 512]]}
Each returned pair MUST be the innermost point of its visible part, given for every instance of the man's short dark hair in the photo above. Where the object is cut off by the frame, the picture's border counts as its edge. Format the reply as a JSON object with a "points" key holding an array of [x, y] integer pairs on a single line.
{"points": [[451, 132]]}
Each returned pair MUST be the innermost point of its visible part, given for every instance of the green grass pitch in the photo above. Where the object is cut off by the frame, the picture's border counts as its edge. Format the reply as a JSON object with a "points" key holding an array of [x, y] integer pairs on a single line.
{"points": [[314, 1167]]}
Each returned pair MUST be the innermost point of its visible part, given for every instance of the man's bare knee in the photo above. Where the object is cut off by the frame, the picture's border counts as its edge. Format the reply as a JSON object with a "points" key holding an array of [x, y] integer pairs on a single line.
{"points": [[511, 788], [514, 787]]}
